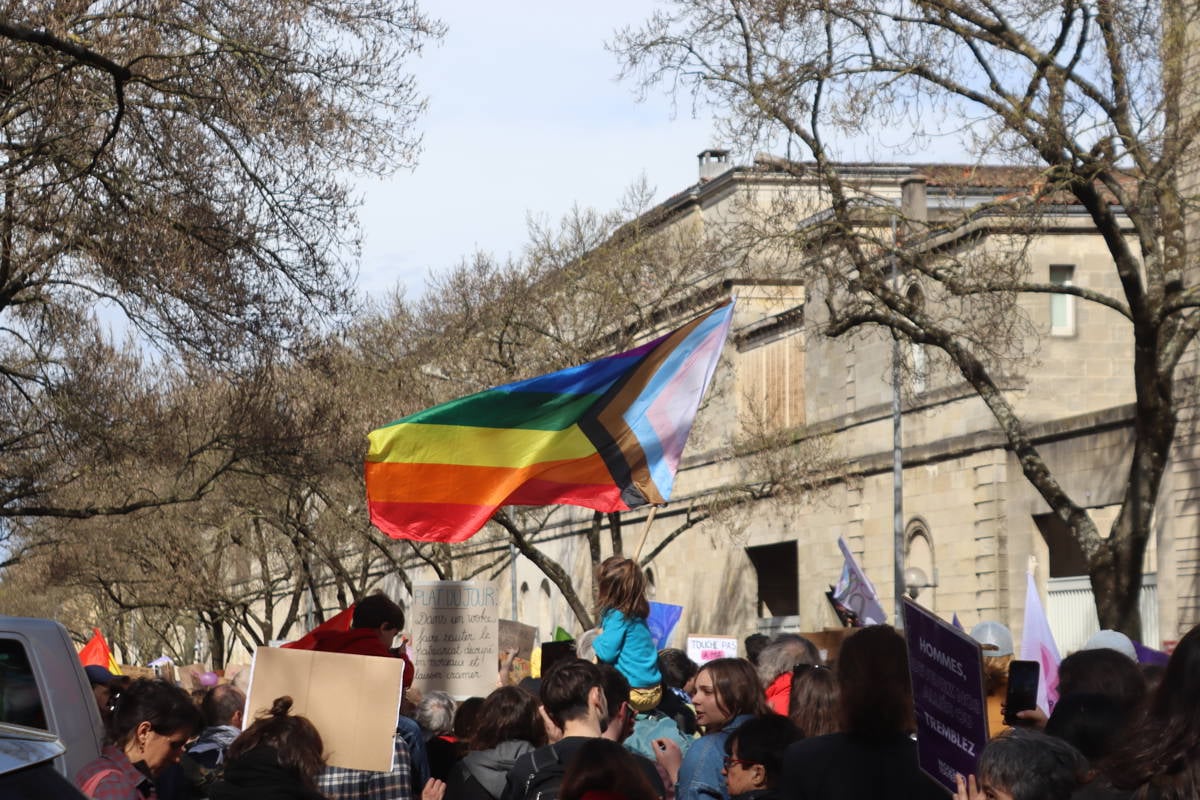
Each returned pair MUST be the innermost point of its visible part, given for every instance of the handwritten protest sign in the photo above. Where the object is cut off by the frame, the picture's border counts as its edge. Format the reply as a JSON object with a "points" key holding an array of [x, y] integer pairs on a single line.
{"points": [[703, 649], [518, 638], [455, 637], [948, 696], [352, 700]]}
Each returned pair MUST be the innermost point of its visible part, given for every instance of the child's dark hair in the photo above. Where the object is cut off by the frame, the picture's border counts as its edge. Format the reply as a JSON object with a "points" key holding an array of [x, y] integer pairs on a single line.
{"points": [[377, 610], [676, 668], [295, 740], [622, 586]]}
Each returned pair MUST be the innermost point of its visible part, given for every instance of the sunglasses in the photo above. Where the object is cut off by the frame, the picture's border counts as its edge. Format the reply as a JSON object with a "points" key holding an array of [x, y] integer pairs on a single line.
{"points": [[801, 669]]}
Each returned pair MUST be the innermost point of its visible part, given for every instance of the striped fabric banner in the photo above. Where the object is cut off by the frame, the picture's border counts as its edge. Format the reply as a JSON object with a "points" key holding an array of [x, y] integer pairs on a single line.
{"points": [[606, 435]]}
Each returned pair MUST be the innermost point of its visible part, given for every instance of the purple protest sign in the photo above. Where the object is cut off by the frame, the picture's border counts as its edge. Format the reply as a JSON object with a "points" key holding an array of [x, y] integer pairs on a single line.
{"points": [[946, 666]]}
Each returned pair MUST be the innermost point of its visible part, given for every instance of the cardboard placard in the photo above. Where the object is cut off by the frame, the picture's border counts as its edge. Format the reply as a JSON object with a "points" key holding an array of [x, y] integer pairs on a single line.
{"points": [[517, 637], [352, 700], [946, 666], [456, 637], [135, 672], [703, 649], [189, 676], [238, 675]]}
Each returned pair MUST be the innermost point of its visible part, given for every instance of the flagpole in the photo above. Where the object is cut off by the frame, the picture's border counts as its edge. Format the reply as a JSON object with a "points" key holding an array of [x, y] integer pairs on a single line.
{"points": [[645, 532]]}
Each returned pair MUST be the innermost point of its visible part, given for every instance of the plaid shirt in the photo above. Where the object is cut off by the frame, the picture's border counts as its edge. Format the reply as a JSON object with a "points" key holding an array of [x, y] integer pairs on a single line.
{"points": [[339, 783], [113, 777]]}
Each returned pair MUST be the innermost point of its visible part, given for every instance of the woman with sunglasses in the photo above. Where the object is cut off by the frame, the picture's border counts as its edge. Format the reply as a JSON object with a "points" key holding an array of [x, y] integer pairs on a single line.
{"points": [[754, 762], [150, 724], [728, 694]]}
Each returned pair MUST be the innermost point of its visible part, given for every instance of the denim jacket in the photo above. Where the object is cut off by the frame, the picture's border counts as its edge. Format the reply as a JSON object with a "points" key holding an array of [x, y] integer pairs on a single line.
{"points": [[700, 775]]}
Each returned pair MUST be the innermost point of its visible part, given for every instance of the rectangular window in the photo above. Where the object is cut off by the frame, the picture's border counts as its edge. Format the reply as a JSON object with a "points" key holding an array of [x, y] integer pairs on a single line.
{"points": [[771, 381], [1062, 306], [20, 700]]}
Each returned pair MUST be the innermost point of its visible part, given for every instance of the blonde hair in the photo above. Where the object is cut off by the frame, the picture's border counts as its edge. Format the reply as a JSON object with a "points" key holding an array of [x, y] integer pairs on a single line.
{"points": [[995, 671], [621, 585]]}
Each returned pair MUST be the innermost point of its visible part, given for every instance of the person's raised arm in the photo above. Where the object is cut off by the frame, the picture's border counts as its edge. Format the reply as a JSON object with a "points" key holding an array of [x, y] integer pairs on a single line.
{"points": [[608, 642]]}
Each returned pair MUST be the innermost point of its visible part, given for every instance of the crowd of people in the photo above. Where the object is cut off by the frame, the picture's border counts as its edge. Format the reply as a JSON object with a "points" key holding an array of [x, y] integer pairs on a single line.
{"points": [[635, 723]]}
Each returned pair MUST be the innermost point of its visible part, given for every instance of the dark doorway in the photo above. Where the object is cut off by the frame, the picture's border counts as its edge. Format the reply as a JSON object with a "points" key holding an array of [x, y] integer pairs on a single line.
{"points": [[778, 582]]}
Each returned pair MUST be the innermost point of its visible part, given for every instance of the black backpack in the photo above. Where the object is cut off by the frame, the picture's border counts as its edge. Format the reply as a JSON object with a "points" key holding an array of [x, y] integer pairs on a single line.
{"points": [[545, 779], [198, 778]]}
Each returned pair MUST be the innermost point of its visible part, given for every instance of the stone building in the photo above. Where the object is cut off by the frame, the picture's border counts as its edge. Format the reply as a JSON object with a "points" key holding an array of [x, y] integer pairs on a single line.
{"points": [[970, 519]]}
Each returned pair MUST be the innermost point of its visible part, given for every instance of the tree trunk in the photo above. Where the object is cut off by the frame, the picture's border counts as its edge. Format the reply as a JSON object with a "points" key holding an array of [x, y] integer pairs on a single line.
{"points": [[614, 527], [1116, 585], [593, 539], [1116, 567], [549, 567], [216, 638]]}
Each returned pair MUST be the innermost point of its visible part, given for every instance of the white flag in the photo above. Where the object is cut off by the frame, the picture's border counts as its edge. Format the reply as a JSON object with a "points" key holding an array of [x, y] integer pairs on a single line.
{"points": [[855, 591], [1037, 644]]}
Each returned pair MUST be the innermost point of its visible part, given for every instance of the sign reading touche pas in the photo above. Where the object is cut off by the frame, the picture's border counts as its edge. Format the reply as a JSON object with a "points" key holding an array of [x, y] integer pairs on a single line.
{"points": [[948, 696], [703, 649]]}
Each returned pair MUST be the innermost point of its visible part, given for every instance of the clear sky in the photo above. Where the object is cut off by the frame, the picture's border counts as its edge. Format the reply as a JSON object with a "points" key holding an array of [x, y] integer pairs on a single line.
{"points": [[525, 117]]}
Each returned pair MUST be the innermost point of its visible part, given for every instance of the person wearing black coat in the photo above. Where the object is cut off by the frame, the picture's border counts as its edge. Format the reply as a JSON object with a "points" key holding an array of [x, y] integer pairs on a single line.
{"points": [[277, 758], [875, 755], [258, 775]]}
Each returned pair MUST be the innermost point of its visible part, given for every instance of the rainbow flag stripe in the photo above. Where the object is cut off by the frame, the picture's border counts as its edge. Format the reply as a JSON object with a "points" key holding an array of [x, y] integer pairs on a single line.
{"points": [[606, 435]]}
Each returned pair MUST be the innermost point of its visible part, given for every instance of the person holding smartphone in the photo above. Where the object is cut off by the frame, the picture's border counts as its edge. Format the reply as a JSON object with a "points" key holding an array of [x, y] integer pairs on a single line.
{"points": [[1021, 692], [997, 643]]}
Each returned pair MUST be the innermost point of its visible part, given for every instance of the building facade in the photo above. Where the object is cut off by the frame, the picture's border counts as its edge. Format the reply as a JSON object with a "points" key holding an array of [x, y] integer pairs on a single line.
{"points": [[971, 521]]}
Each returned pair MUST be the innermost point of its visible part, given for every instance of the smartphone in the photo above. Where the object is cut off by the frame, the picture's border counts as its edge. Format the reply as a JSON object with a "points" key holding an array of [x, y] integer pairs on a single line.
{"points": [[1022, 690]]}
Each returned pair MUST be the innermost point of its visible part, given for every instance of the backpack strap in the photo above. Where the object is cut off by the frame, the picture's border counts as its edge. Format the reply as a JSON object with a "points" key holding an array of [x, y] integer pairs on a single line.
{"points": [[537, 768], [93, 783]]}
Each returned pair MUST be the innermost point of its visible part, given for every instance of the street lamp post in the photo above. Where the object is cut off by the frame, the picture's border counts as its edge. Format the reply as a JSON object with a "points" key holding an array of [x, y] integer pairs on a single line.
{"points": [[897, 459]]}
